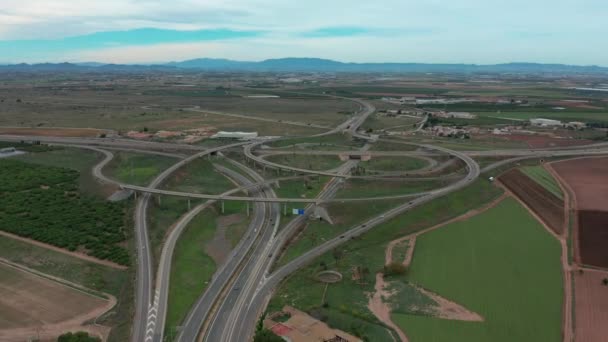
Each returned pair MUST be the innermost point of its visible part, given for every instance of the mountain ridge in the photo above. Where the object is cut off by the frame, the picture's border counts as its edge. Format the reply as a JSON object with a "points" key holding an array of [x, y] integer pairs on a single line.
{"points": [[297, 64]]}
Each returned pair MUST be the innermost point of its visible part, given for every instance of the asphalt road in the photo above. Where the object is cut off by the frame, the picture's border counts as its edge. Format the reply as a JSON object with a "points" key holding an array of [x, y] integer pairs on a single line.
{"points": [[233, 274]]}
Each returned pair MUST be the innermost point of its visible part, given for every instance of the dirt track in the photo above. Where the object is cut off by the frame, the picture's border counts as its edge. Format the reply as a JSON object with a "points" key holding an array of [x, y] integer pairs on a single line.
{"points": [[544, 204]]}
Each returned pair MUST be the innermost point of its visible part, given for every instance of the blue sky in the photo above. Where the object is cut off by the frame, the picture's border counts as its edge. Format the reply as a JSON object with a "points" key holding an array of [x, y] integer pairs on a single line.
{"points": [[433, 31]]}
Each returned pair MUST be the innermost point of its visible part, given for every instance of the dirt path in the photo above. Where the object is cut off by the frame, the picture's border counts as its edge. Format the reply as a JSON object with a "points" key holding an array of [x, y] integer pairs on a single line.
{"points": [[51, 331], [63, 251], [382, 310]]}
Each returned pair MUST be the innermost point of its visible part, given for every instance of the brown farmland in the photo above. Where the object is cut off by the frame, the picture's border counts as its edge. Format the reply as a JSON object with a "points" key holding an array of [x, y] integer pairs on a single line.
{"points": [[543, 203], [593, 238], [591, 306], [29, 302], [588, 179]]}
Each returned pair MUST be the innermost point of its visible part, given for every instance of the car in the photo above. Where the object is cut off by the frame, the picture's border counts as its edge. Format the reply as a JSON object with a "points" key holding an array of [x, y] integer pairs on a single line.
{"points": [[341, 236], [381, 216]]}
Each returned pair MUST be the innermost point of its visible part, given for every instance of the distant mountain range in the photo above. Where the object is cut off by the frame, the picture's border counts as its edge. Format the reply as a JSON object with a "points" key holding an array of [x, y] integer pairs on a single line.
{"points": [[307, 65]]}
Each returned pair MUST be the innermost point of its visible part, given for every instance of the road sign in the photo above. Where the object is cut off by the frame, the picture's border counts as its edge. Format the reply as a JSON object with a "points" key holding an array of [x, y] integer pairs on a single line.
{"points": [[296, 211]]}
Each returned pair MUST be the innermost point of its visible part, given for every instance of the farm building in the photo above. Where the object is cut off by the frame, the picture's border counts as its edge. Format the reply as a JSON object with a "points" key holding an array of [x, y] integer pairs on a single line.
{"points": [[545, 122], [235, 135]]}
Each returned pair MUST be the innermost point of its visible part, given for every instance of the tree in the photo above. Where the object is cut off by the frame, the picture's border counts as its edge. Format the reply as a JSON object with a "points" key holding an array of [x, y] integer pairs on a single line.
{"points": [[605, 281], [266, 335], [80, 336]]}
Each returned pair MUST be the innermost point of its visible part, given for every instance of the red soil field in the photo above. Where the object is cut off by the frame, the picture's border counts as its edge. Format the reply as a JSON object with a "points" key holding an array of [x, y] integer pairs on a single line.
{"points": [[591, 306], [539, 141], [593, 238], [588, 179], [53, 132], [543, 203]]}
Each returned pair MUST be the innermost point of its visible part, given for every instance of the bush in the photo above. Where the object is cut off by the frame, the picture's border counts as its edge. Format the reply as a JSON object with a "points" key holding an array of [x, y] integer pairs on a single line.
{"points": [[394, 268], [605, 281], [80, 336]]}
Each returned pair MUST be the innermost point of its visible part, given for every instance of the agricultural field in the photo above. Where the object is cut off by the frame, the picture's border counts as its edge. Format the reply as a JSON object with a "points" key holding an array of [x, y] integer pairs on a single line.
{"points": [[137, 169], [540, 175], [32, 301], [586, 177], [99, 278], [482, 264], [346, 305], [44, 204], [590, 306], [544, 203]]}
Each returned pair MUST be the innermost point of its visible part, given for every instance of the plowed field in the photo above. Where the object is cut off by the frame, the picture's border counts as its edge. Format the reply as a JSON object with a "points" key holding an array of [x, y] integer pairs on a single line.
{"points": [[545, 204], [593, 238]]}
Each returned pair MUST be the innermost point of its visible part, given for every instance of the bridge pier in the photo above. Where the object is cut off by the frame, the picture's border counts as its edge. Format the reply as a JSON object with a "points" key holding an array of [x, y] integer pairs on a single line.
{"points": [[189, 205], [222, 206], [247, 209], [159, 200], [284, 209]]}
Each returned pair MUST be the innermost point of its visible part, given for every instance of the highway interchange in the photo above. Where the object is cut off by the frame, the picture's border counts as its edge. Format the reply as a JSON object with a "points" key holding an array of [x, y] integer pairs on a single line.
{"points": [[242, 286]]}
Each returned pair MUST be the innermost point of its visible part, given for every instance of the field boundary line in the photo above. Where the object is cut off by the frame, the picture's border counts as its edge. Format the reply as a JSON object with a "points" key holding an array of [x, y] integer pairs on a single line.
{"points": [[63, 251]]}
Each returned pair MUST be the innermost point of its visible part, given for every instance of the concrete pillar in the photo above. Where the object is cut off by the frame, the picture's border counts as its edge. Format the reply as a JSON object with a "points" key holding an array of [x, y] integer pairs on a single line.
{"points": [[159, 201], [247, 209], [189, 205], [284, 209], [222, 207]]}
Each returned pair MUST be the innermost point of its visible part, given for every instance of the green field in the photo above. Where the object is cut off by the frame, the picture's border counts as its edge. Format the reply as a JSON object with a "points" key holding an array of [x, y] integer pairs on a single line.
{"points": [[44, 203], [191, 269], [358, 188], [307, 187], [77, 159], [138, 169], [394, 164], [334, 141], [544, 178], [306, 161], [199, 176], [507, 270], [346, 306]]}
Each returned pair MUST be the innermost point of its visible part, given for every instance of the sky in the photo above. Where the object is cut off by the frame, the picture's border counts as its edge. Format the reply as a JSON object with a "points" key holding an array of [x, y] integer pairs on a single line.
{"points": [[427, 31]]}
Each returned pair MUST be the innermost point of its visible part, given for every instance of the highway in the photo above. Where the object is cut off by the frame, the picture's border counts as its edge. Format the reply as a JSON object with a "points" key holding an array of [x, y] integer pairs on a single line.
{"points": [[164, 270], [241, 287], [233, 274]]}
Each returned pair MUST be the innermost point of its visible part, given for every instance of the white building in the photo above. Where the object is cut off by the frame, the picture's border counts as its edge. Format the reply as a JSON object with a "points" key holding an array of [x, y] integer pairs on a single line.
{"points": [[545, 122], [461, 115], [235, 135]]}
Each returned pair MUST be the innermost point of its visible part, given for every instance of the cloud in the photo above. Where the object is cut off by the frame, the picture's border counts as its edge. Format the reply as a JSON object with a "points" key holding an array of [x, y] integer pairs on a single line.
{"points": [[395, 30]]}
